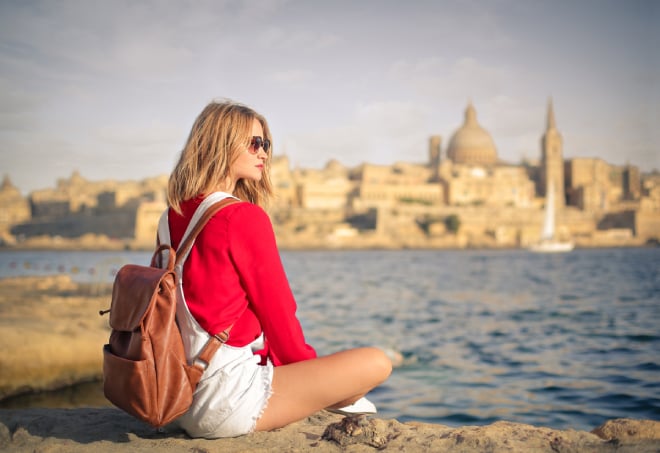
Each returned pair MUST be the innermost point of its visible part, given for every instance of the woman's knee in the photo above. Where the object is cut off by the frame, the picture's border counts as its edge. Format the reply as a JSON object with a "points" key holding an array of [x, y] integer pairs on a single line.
{"points": [[380, 364]]}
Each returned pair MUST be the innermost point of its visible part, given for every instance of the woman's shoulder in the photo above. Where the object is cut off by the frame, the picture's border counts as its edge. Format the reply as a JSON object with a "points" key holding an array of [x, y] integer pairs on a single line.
{"points": [[244, 208], [242, 211]]}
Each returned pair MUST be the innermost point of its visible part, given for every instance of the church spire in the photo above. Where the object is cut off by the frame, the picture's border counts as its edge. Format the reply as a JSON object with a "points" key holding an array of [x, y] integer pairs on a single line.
{"points": [[552, 160], [551, 116]]}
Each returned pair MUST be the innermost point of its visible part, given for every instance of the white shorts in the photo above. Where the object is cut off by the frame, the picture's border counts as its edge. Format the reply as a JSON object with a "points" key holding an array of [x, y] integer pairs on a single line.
{"points": [[229, 402]]}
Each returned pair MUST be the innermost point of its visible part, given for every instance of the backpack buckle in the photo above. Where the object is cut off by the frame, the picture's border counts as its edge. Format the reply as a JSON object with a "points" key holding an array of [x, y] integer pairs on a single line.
{"points": [[222, 337]]}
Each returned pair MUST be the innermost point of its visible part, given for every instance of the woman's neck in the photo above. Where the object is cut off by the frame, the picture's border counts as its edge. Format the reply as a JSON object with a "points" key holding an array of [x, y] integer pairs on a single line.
{"points": [[227, 187]]}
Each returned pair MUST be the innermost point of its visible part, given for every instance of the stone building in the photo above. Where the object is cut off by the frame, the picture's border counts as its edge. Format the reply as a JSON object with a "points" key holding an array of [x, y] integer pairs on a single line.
{"points": [[631, 182], [551, 175], [473, 174], [326, 189], [647, 217], [497, 185], [284, 187], [120, 211], [435, 156], [471, 144], [388, 185], [588, 184], [650, 193], [15, 209], [147, 215], [496, 204]]}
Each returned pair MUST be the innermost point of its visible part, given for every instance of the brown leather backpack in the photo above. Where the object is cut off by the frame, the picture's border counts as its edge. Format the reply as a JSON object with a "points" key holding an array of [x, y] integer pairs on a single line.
{"points": [[145, 371]]}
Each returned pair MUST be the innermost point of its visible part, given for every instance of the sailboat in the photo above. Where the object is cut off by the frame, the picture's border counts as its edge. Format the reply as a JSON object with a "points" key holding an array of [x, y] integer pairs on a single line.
{"points": [[549, 243]]}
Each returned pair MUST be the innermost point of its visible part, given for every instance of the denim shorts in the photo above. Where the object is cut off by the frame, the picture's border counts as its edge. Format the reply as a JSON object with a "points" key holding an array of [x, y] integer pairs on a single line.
{"points": [[229, 401]]}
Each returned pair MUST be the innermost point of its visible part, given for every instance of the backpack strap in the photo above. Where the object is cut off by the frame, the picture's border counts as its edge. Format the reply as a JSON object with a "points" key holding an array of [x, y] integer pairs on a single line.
{"points": [[163, 232], [200, 218], [186, 245], [164, 240]]}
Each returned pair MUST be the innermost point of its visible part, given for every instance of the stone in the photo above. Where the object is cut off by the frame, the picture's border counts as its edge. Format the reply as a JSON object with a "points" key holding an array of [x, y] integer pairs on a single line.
{"points": [[111, 430], [52, 333]]}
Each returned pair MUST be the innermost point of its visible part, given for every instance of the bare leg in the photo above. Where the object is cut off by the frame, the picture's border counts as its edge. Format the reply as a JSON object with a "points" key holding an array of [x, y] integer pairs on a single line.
{"points": [[303, 388]]}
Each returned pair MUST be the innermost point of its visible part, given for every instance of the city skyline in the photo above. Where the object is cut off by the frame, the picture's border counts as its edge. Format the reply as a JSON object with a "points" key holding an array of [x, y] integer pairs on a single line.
{"points": [[111, 89]]}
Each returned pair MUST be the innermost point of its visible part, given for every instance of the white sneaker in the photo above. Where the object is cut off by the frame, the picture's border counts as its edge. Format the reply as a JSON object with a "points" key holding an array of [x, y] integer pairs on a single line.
{"points": [[361, 406]]}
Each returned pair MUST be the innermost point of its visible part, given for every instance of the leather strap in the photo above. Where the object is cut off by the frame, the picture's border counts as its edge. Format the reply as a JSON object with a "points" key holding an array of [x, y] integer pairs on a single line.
{"points": [[157, 257], [210, 348], [217, 340]]}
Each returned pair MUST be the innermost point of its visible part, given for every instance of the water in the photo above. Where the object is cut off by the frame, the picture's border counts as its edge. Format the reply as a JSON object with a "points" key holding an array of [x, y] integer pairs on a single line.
{"points": [[82, 266], [566, 341]]}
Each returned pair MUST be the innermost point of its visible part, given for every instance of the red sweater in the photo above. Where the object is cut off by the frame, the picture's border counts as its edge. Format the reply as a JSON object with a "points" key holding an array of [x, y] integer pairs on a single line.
{"points": [[234, 275]]}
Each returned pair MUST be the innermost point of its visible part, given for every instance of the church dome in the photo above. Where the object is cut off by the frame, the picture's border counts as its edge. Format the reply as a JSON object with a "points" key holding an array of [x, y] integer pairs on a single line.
{"points": [[471, 144]]}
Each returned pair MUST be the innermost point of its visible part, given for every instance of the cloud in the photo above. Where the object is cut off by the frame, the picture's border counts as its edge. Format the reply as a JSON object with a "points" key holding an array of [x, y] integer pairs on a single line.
{"points": [[108, 83], [377, 132], [124, 134], [17, 107], [514, 118], [118, 40], [296, 41], [291, 77], [438, 79]]}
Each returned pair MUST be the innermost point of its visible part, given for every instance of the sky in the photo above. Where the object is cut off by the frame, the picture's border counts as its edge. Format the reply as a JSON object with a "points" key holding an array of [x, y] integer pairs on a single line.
{"points": [[111, 88]]}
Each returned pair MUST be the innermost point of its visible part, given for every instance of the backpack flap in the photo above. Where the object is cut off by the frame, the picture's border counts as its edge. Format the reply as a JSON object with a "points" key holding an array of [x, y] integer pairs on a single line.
{"points": [[132, 293]]}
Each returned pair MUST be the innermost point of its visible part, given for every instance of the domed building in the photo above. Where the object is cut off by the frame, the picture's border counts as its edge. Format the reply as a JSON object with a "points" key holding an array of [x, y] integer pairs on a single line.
{"points": [[473, 174], [471, 144]]}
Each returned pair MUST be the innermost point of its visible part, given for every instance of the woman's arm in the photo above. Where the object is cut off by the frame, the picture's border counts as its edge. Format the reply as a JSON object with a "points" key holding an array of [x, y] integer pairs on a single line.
{"points": [[254, 251]]}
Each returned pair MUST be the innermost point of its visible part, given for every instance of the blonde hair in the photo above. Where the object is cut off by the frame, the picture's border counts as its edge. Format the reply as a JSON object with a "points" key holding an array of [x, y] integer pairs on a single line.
{"points": [[219, 134]]}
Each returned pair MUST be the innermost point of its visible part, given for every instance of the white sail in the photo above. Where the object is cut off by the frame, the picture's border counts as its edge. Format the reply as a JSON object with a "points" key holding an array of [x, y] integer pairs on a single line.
{"points": [[549, 221], [548, 242]]}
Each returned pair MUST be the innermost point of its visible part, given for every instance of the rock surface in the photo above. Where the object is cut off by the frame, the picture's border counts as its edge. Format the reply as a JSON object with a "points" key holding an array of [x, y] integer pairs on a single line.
{"points": [[110, 430], [52, 336], [51, 332]]}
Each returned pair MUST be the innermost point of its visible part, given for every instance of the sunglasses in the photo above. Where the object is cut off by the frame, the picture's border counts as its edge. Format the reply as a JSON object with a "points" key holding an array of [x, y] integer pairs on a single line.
{"points": [[256, 143]]}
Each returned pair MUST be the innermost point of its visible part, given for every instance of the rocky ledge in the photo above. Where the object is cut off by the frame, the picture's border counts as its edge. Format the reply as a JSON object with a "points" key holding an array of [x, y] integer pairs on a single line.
{"points": [[52, 337], [52, 334], [110, 430]]}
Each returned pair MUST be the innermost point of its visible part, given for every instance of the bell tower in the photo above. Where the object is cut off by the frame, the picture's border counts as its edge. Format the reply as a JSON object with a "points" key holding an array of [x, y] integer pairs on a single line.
{"points": [[552, 161], [434, 155]]}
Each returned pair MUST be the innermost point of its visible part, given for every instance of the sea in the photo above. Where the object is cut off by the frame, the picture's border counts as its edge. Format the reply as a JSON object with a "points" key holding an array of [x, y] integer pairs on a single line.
{"points": [[560, 340]]}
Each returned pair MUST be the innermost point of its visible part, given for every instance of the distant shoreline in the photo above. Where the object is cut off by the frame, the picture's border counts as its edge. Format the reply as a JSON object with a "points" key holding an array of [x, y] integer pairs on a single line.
{"points": [[289, 248]]}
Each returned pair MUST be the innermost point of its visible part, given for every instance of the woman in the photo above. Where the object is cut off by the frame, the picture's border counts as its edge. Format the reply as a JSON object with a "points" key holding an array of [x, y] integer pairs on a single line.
{"points": [[233, 278]]}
